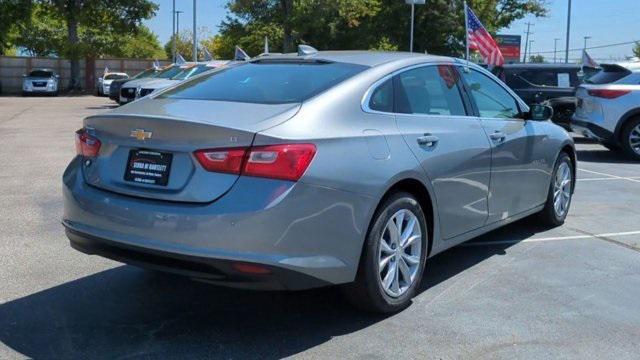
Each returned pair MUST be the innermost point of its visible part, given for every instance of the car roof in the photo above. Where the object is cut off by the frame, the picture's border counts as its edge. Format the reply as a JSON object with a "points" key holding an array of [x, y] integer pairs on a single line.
{"points": [[359, 57]]}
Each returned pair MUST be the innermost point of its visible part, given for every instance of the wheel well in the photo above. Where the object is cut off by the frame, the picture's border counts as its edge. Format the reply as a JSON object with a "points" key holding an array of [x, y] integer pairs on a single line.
{"points": [[567, 149], [632, 115], [417, 189]]}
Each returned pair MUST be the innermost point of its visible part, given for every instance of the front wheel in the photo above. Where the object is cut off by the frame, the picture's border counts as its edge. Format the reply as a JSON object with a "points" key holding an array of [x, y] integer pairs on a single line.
{"points": [[560, 192], [393, 258]]}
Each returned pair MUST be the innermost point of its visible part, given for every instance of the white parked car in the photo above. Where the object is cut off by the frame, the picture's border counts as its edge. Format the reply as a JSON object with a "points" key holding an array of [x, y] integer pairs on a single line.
{"points": [[42, 81], [608, 108], [105, 81]]}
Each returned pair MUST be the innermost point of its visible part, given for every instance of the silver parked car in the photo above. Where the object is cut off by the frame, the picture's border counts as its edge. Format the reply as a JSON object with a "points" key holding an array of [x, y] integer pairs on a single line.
{"points": [[298, 171], [186, 72], [130, 89], [104, 83], [608, 108], [40, 81]]}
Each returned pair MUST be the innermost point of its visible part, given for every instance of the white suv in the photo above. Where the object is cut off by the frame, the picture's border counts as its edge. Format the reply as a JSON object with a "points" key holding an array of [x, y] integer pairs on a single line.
{"points": [[608, 108]]}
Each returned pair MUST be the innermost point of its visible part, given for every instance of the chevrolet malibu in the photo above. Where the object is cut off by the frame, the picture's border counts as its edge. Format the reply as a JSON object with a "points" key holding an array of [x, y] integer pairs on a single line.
{"points": [[322, 168]]}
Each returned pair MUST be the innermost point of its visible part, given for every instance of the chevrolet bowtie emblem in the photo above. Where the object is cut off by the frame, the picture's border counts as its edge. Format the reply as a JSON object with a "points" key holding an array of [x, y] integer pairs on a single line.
{"points": [[140, 134]]}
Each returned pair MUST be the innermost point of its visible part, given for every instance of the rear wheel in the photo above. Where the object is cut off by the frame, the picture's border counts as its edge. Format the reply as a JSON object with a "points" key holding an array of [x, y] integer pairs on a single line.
{"points": [[560, 192], [393, 259], [631, 139]]}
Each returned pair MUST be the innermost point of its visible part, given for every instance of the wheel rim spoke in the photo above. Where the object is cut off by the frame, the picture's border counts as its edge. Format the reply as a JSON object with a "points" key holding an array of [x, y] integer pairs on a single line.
{"points": [[562, 189], [399, 252]]}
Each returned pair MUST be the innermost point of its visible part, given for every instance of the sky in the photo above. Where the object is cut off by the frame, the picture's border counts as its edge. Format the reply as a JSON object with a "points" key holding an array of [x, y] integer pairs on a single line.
{"points": [[606, 21]]}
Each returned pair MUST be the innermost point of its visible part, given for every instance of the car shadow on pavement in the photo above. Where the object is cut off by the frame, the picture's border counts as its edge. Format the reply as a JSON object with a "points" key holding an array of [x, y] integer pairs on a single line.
{"points": [[102, 107], [604, 156], [126, 312]]}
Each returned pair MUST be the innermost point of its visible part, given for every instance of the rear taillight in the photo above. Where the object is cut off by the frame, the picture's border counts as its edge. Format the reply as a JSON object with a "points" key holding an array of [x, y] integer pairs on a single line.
{"points": [[221, 160], [86, 145], [286, 161], [608, 93]]}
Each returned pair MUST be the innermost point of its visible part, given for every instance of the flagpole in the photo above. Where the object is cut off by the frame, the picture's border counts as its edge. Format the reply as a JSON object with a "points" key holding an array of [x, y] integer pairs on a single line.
{"points": [[466, 34]]}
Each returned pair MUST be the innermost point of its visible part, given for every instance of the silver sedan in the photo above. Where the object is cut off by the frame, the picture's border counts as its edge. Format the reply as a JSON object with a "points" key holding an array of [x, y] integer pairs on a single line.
{"points": [[322, 168]]}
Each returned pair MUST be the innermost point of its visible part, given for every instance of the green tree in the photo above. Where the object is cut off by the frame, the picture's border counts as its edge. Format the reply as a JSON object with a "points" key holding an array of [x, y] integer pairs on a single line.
{"points": [[184, 43], [94, 27], [636, 50], [41, 34], [143, 44], [12, 12], [365, 24], [536, 59]]}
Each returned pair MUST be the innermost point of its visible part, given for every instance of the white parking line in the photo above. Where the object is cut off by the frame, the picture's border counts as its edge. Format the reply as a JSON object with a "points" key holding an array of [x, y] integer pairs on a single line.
{"points": [[633, 178], [558, 238]]}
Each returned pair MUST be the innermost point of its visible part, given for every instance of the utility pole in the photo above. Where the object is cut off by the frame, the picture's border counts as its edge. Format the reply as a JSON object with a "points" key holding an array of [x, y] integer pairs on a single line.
{"points": [[195, 36], [531, 47], [173, 30], [555, 49], [526, 40], [566, 51]]}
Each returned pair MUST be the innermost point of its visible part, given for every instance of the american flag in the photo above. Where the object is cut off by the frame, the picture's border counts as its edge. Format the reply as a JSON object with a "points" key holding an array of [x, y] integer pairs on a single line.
{"points": [[480, 39]]}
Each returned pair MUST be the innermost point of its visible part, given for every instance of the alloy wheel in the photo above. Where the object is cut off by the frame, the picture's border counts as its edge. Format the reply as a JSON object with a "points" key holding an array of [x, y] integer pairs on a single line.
{"points": [[562, 189], [634, 139], [399, 253]]}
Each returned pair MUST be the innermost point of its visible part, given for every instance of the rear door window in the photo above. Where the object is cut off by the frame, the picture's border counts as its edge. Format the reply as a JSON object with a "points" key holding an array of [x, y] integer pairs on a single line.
{"points": [[382, 97], [430, 90], [266, 82]]}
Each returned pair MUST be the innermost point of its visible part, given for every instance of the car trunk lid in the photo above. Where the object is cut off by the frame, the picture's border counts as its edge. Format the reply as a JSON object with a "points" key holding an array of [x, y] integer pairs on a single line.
{"points": [[166, 132]]}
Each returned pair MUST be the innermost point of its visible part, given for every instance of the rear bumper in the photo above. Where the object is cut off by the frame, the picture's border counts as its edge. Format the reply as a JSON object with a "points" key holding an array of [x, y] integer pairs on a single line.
{"points": [[591, 130], [216, 271], [311, 230]]}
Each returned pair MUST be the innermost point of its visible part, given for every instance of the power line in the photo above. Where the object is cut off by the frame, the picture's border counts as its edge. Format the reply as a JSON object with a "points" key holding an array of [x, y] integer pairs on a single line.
{"points": [[593, 47]]}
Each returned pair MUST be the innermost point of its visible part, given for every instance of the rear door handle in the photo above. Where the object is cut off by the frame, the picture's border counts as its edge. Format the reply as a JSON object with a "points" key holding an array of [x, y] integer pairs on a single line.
{"points": [[428, 140], [498, 136]]}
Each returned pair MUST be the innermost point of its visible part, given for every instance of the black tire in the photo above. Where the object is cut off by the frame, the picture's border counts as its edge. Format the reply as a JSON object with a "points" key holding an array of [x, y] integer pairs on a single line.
{"points": [[549, 215], [367, 291], [629, 127]]}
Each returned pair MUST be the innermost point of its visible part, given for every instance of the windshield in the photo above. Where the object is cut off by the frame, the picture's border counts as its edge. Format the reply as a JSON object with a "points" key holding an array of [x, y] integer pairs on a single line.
{"points": [[145, 74], [187, 73], [266, 82], [169, 72], [115, 76], [608, 74], [41, 73]]}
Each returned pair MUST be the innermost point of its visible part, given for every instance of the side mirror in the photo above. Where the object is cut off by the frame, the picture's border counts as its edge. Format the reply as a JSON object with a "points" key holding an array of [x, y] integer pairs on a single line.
{"points": [[538, 112]]}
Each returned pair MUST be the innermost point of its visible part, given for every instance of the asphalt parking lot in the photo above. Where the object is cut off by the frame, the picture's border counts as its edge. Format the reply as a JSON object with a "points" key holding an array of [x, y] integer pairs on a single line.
{"points": [[522, 291]]}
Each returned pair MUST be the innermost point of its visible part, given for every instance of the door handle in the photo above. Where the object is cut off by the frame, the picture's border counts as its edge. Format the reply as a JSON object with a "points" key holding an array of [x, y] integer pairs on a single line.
{"points": [[498, 136], [428, 140]]}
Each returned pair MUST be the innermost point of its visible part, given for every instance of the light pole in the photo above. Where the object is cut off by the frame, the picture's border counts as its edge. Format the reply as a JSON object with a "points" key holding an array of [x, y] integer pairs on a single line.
{"points": [[566, 51], [195, 36], [585, 42], [413, 4], [526, 41], [173, 30], [555, 49], [177, 30], [531, 48]]}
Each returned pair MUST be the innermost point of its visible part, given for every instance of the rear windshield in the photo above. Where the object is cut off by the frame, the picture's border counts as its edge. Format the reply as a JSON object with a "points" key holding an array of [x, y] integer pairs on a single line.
{"points": [[115, 77], [554, 77], [266, 82], [169, 72], [41, 73], [608, 74]]}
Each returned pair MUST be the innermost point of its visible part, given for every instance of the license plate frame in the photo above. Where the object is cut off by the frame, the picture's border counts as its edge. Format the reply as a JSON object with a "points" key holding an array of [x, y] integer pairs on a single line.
{"points": [[148, 167]]}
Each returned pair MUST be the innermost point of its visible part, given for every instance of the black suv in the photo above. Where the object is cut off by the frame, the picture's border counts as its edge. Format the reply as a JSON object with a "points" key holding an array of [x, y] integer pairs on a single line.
{"points": [[554, 84]]}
